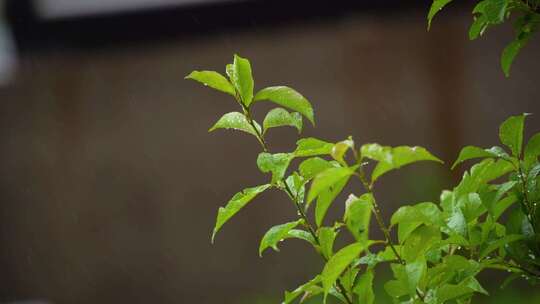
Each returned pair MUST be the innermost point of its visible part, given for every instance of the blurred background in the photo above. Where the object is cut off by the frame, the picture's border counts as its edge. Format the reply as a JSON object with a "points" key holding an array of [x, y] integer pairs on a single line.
{"points": [[110, 183]]}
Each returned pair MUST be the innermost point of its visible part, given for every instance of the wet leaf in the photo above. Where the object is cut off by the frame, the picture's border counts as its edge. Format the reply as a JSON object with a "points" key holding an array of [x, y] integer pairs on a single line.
{"points": [[213, 80], [277, 164], [338, 263], [242, 79], [358, 215], [436, 7], [275, 235], [310, 146], [237, 202], [279, 117], [288, 98], [327, 179], [511, 133], [236, 121]]}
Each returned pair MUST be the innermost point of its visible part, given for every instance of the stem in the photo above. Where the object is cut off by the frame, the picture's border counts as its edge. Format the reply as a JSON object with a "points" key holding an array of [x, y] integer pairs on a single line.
{"points": [[380, 221], [301, 212], [260, 137], [503, 265], [386, 231], [247, 113], [303, 215]]}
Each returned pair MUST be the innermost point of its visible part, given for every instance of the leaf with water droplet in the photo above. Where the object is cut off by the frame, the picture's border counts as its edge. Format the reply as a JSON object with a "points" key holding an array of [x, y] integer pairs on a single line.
{"points": [[338, 263], [511, 133], [275, 235], [275, 163], [279, 117], [213, 80], [436, 6], [310, 146], [242, 79], [236, 121], [358, 215], [289, 98], [235, 204], [394, 158]]}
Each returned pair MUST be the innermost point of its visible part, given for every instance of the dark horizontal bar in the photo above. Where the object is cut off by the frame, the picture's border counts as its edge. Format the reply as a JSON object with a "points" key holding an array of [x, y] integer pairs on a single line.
{"points": [[33, 33]]}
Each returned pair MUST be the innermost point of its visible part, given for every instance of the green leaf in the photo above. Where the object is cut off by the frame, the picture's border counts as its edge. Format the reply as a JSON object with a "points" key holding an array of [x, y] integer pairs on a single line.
{"points": [[502, 205], [400, 287], [471, 205], [500, 242], [436, 6], [394, 158], [340, 148], [415, 272], [242, 79], [309, 289], [396, 288], [456, 264], [212, 79], [478, 27], [279, 117], [419, 242], [532, 150], [275, 235], [338, 263], [275, 163], [480, 174], [526, 25], [364, 287], [411, 217], [510, 53], [448, 292], [511, 133], [326, 197], [296, 184], [237, 202], [532, 179], [229, 70], [302, 235], [310, 167], [491, 199], [474, 285], [288, 98], [376, 152], [426, 212], [358, 215], [456, 222], [306, 147], [327, 236], [236, 121], [327, 179], [471, 152], [494, 10]]}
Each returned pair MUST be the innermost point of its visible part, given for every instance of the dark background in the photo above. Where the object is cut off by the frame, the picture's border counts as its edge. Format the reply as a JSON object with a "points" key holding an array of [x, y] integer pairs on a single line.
{"points": [[110, 183]]}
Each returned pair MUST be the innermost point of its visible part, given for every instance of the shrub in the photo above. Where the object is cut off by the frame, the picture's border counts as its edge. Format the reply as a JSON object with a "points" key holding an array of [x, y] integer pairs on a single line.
{"points": [[440, 247]]}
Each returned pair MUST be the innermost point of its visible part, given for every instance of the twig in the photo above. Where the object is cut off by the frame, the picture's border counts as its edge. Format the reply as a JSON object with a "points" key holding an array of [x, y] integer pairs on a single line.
{"points": [[303, 215]]}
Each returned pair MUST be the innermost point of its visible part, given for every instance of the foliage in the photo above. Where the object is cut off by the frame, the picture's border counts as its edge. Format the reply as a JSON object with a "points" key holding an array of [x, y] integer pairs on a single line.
{"points": [[489, 13], [440, 248]]}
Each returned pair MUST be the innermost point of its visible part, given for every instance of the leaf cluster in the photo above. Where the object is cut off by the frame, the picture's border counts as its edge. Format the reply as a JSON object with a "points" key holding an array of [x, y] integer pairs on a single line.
{"points": [[489, 13], [435, 249]]}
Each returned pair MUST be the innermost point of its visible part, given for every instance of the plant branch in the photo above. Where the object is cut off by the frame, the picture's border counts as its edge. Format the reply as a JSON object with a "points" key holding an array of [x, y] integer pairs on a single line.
{"points": [[380, 221], [504, 265], [311, 230]]}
